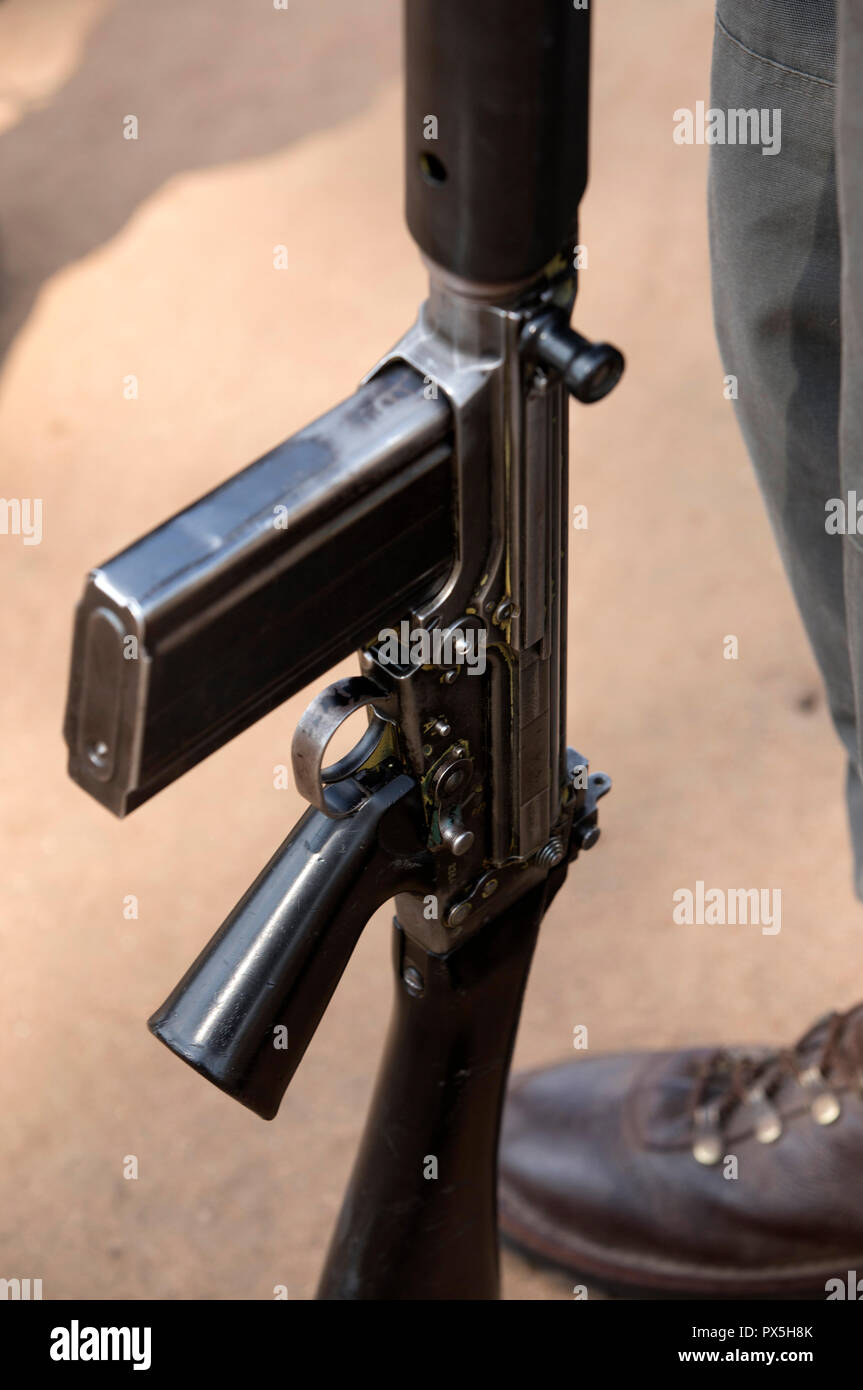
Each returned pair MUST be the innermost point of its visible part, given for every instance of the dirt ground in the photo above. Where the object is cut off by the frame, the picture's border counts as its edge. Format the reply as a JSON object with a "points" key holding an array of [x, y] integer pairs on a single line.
{"points": [[153, 258]]}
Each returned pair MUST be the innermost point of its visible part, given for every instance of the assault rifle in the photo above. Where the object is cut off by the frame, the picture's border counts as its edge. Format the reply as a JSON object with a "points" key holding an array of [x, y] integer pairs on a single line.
{"points": [[423, 521]]}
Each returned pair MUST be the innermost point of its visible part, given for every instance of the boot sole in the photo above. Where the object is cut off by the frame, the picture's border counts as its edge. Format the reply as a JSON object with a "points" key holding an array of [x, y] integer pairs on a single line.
{"points": [[665, 1288]]}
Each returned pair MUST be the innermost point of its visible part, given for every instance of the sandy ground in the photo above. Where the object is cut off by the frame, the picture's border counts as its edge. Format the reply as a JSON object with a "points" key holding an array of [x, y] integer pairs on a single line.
{"points": [[154, 258]]}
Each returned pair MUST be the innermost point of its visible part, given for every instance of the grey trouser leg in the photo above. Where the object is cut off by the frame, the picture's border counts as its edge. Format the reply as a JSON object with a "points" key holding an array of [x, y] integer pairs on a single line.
{"points": [[849, 164], [776, 223]]}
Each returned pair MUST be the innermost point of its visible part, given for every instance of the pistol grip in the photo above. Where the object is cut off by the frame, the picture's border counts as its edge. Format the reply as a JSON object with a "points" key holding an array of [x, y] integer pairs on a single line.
{"points": [[245, 1012]]}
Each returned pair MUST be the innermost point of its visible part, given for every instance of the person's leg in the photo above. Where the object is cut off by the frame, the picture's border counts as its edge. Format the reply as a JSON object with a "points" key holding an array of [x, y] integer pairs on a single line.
{"points": [[775, 262], [616, 1167], [849, 159]]}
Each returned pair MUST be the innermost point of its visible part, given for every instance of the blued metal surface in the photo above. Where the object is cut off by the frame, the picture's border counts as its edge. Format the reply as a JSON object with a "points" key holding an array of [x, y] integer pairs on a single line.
{"points": [[508, 581], [493, 196], [409, 1230], [230, 611], [327, 712]]}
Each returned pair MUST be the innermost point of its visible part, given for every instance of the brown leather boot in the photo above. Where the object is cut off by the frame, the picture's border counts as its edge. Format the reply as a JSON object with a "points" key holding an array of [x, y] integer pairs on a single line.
{"points": [[719, 1174]]}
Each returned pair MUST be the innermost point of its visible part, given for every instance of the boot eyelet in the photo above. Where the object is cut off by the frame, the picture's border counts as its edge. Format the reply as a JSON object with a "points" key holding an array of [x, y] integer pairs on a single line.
{"points": [[768, 1123], [826, 1108], [707, 1141]]}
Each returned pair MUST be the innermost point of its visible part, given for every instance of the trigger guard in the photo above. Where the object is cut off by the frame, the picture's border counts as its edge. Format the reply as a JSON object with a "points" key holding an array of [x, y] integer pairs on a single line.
{"points": [[324, 716]]}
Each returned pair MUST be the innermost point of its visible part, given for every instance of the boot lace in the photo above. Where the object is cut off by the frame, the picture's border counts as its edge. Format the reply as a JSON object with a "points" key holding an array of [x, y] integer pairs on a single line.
{"points": [[729, 1078]]}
